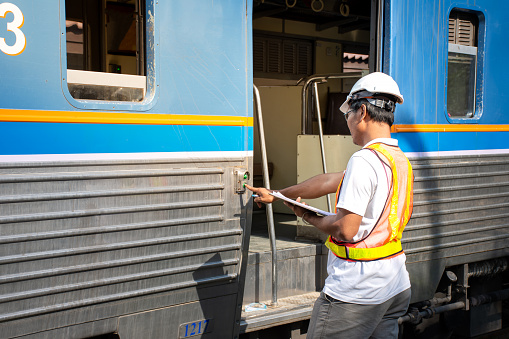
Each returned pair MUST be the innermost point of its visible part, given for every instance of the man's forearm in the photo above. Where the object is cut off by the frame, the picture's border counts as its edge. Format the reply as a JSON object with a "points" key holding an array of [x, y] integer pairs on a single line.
{"points": [[314, 187], [342, 226]]}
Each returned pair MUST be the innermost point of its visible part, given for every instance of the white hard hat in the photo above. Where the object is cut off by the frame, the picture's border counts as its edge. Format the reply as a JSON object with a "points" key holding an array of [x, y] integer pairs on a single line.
{"points": [[374, 83]]}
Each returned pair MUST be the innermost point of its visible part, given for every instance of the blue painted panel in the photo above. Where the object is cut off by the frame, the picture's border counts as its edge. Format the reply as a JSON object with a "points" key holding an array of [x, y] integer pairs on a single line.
{"points": [[417, 142], [481, 141], [414, 58], [418, 56], [203, 66], [50, 138], [452, 141], [205, 62], [32, 79], [416, 48]]}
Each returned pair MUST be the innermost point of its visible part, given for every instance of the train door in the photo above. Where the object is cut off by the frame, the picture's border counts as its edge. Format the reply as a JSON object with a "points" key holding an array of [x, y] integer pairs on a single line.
{"points": [[293, 42], [306, 57]]}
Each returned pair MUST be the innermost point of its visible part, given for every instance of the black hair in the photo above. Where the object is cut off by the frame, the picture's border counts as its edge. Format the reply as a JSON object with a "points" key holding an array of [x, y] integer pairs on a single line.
{"points": [[376, 113]]}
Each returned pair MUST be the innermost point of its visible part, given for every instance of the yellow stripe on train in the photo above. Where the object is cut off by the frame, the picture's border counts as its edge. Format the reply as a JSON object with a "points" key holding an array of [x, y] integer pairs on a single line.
{"points": [[121, 118], [449, 128]]}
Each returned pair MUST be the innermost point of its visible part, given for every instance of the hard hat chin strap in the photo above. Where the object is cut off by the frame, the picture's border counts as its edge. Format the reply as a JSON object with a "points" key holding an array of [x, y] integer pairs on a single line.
{"points": [[386, 104]]}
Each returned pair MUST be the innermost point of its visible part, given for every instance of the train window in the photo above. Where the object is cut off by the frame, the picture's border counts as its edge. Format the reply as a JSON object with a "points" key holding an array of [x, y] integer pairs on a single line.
{"points": [[105, 49], [462, 64]]}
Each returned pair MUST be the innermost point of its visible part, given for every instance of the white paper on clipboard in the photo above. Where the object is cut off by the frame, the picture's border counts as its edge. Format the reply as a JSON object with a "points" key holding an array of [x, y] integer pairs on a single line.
{"points": [[293, 202]]}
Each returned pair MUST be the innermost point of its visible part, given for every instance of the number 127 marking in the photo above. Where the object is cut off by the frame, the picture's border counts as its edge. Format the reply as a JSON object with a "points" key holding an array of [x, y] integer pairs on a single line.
{"points": [[194, 328]]}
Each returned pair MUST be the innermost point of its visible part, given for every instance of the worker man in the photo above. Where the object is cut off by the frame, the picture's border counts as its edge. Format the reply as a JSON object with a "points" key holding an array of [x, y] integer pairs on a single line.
{"points": [[368, 287]]}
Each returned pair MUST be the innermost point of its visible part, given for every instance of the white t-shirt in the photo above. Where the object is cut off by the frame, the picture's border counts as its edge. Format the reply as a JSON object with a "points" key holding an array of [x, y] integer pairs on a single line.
{"points": [[364, 192]]}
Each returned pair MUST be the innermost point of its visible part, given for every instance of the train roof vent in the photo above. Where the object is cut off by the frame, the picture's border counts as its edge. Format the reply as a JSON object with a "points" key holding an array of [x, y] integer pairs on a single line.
{"points": [[463, 28]]}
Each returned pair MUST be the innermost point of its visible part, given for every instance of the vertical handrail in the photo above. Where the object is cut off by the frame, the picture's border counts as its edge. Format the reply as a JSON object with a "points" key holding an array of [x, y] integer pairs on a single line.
{"points": [[379, 36], [320, 132], [266, 183], [321, 78]]}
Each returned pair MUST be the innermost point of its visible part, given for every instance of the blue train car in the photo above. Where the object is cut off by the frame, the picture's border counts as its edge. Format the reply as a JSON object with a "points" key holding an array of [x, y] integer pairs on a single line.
{"points": [[126, 136], [127, 131]]}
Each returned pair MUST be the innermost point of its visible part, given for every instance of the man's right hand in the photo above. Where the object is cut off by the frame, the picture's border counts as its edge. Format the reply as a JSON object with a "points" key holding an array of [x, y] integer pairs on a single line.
{"points": [[263, 195]]}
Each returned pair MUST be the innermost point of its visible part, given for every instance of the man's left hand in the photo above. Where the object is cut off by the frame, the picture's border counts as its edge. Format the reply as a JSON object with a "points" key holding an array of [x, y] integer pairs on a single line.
{"points": [[299, 211]]}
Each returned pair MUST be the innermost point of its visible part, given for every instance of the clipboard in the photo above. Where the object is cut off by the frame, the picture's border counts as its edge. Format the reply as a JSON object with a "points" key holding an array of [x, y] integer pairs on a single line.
{"points": [[293, 202]]}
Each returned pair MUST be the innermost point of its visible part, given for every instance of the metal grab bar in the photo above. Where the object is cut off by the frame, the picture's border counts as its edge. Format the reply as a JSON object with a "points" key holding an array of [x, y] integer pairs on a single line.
{"points": [[322, 147], [266, 183], [322, 78], [315, 79]]}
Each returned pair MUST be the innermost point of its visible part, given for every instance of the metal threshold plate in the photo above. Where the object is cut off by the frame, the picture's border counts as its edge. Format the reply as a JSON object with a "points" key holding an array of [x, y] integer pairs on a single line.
{"points": [[287, 310]]}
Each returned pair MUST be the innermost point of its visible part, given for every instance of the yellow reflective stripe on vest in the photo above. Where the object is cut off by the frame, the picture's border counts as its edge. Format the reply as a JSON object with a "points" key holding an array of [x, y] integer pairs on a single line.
{"points": [[409, 193], [366, 254], [337, 193]]}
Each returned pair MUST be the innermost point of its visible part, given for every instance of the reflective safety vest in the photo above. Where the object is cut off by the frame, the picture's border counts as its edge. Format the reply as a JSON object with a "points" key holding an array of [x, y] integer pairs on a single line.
{"points": [[384, 240]]}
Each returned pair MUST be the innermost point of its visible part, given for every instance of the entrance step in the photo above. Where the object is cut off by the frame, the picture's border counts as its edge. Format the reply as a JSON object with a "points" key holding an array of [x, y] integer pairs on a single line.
{"points": [[287, 310]]}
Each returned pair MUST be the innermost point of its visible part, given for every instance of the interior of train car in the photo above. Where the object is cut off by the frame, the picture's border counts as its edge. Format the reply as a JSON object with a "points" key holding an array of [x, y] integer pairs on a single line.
{"points": [[306, 57], [292, 41]]}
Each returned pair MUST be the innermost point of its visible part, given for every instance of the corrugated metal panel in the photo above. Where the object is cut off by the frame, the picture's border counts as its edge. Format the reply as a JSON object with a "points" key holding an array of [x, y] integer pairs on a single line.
{"points": [[460, 207], [76, 236], [460, 216]]}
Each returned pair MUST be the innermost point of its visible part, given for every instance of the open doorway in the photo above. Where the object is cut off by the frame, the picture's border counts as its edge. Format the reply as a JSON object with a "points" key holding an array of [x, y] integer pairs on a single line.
{"points": [[293, 40]]}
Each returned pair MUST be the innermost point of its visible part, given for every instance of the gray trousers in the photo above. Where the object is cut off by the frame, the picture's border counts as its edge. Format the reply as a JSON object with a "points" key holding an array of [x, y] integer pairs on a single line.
{"points": [[332, 318]]}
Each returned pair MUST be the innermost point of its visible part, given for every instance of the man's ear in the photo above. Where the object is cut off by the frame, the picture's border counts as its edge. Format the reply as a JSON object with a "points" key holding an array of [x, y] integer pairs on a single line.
{"points": [[364, 112]]}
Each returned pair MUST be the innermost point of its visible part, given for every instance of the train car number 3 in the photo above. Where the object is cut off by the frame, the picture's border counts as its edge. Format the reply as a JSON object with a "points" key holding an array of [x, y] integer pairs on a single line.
{"points": [[195, 328], [14, 26]]}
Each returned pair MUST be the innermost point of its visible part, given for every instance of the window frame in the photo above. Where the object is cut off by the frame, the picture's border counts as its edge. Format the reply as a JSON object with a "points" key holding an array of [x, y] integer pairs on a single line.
{"points": [[151, 56], [479, 66]]}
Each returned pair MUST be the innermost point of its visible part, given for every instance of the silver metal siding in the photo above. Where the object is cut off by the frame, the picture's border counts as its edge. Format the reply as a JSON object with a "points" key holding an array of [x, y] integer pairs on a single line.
{"points": [[90, 236], [461, 205]]}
